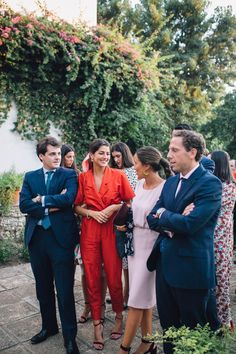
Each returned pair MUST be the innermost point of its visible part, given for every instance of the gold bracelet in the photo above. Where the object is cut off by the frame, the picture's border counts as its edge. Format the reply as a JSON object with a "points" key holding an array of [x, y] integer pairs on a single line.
{"points": [[87, 214]]}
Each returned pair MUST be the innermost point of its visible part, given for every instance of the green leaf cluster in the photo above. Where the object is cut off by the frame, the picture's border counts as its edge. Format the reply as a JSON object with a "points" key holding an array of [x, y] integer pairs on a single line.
{"points": [[88, 83], [198, 341], [200, 49], [9, 183]]}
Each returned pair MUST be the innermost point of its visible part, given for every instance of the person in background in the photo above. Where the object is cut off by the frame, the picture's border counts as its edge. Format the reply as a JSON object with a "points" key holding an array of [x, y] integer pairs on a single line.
{"points": [[51, 233], [223, 237], [68, 161], [101, 192], [232, 164], [147, 162], [122, 158], [68, 157]]}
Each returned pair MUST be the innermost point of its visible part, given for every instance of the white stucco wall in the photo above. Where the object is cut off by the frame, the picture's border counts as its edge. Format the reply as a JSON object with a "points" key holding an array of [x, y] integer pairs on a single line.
{"points": [[15, 152], [69, 10]]}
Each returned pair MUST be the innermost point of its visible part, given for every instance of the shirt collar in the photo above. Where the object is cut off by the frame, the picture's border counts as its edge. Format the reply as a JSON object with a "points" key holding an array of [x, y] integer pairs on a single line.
{"points": [[189, 173], [45, 170]]}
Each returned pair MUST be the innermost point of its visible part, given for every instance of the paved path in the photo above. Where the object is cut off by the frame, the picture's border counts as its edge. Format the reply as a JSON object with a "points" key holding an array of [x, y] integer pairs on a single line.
{"points": [[20, 318]]}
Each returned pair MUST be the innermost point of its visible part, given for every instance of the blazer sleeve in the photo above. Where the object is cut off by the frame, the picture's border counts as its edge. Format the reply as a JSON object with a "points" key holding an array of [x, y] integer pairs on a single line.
{"points": [[27, 206], [153, 222], [64, 200], [207, 203]]}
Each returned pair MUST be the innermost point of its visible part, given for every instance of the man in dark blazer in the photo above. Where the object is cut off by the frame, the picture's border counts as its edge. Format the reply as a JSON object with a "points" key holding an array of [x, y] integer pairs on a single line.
{"points": [[185, 216], [51, 233]]}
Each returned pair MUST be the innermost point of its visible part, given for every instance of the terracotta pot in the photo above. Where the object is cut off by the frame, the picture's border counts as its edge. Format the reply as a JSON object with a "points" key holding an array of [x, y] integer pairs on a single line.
{"points": [[16, 197]]}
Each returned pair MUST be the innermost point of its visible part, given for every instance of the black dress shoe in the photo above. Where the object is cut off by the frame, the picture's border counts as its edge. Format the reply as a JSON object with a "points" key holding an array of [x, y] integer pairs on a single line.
{"points": [[71, 347], [43, 335]]}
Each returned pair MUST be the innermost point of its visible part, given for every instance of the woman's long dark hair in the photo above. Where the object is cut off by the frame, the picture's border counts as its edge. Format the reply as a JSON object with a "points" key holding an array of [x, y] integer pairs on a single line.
{"points": [[222, 168], [96, 144], [127, 158], [64, 151], [148, 155]]}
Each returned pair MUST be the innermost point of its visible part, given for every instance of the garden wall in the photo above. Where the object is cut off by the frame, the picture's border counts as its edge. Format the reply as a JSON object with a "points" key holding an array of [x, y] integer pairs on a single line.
{"points": [[12, 225]]}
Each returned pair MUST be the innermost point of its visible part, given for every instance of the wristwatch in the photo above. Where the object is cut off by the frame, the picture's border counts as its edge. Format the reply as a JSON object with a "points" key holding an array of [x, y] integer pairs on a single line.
{"points": [[159, 212]]}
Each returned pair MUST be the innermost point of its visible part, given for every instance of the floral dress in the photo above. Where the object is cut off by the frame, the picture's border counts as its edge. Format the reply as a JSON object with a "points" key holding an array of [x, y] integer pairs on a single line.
{"points": [[223, 244], [132, 177]]}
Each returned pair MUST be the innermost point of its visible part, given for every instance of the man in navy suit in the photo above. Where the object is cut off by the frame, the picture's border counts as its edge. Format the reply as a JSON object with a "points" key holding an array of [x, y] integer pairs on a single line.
{"points": [[185, 216], [51, 233]]}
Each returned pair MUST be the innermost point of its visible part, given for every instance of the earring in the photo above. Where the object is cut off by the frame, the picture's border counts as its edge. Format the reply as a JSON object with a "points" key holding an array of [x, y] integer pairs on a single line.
{"points": [[145, 173]]}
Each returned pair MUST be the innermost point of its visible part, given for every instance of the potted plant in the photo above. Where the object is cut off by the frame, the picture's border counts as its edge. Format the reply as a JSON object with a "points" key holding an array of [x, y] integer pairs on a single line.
{"points": [[10, 184]]}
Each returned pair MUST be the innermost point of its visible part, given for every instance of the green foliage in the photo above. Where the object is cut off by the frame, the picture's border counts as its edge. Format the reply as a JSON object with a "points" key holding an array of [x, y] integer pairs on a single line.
{"points": [[221, 130], [86, 82], [198, 341], [9, 183], [7, 250], [24, 254], [201, 51]]}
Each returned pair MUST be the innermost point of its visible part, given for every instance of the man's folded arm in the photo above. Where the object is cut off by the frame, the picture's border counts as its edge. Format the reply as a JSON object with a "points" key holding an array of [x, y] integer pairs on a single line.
{"points": [[206, 204], [63, 200], [27, 205], [153, 221]]}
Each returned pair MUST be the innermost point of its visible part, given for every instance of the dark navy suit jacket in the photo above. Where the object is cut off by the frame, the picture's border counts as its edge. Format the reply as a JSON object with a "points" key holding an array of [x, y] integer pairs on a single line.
{"points": [[188, 257], [63, 222]]}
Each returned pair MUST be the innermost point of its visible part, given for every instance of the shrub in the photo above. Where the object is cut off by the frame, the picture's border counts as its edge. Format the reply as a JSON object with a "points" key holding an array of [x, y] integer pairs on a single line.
{"points": [[10, 182], [200, 340], [7, 250]]}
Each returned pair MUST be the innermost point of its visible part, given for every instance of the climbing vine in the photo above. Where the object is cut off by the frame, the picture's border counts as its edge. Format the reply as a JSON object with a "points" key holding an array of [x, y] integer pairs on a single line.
{"points": [[86, 82]]}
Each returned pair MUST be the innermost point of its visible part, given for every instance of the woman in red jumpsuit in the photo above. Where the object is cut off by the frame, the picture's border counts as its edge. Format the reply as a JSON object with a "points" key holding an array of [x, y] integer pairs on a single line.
{"points": [[101, 191]]}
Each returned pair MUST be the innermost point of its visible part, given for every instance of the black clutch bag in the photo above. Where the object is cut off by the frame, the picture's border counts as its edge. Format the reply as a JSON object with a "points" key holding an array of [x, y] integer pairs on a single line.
{"points": [[121, 216]]}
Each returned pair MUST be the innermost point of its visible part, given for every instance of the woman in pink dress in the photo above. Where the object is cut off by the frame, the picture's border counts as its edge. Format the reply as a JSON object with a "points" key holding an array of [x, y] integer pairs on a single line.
{"points": [[147, 163], [223, 238]]}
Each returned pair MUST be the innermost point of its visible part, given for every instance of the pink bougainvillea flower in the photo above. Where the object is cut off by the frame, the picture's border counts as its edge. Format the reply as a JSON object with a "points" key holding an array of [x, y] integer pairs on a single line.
{"points": [[74, 39], [1, 42], [29, 42], [29, 25], [7, 29], [5, 35], [16, 19]]}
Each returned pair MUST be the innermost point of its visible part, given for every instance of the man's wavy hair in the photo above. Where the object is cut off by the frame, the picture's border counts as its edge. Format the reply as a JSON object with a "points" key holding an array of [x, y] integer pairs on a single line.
{"points": [[192, 140]]}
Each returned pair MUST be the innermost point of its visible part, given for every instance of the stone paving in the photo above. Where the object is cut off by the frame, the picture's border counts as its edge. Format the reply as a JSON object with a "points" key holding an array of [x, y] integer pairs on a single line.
{"points": [[20, 317]]}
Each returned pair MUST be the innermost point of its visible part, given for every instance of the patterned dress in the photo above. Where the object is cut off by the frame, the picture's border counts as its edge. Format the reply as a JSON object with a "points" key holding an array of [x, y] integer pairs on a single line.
{"points": [[223, 244], [132, 177]]}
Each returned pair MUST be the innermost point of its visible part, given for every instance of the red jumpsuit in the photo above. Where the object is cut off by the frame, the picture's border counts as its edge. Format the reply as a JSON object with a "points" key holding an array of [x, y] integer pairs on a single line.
{"points": [[97, 242]]}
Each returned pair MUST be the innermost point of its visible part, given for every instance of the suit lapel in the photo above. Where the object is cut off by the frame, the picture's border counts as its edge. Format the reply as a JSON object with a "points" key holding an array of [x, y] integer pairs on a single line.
{"points": [[54, 181], [189, 184], [171, 193], [40, 181]]}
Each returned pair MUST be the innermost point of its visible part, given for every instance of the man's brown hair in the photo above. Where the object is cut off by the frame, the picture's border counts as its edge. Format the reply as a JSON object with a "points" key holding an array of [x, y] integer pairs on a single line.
{"points": [[42, 145], [192, 140]]}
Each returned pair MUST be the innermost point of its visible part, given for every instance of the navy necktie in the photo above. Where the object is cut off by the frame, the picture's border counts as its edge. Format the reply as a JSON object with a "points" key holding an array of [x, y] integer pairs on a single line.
{"points": [[46, 221]]}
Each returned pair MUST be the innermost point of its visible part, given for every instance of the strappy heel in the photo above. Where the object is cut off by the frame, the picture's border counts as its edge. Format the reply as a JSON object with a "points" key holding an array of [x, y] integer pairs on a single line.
{"points": [[97, 344], [85, 315], [114, 334], [125, 349], [152, 349]]}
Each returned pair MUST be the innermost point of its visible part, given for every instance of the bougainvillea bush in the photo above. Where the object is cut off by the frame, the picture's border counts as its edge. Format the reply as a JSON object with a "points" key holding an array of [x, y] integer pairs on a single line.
{"points": [[88, 82]]}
